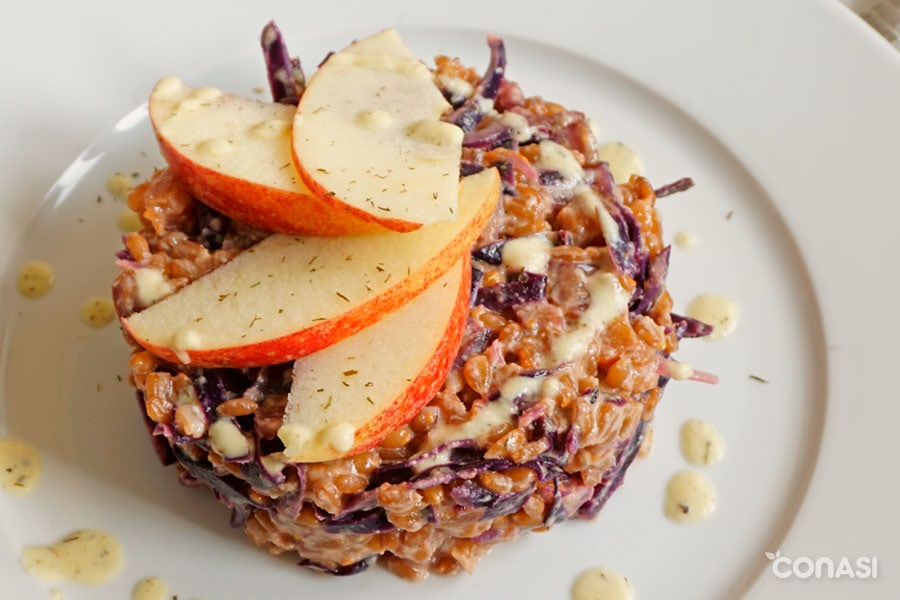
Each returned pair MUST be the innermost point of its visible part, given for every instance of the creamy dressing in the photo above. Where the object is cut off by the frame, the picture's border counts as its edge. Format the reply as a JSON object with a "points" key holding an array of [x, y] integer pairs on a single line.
{"points": [[720, 312], [521, 130], [128, 221], [685, 240], [396, 64], [295, 437], [87, 556], [602, 584], [35, 278], [150, 588], [56, 595], [488, 416], [434, 132], [589, 202], [530, 253], [339, 436], [98, 311], [554, 157], [184, 339], [608, 299], [120, 185], [701, 443], [227, 439], [623, 160], [20, 466], [679, 371], [374, 119], [690, 497], [458, 88], [270, 129], [151, 286], [215, 146]]}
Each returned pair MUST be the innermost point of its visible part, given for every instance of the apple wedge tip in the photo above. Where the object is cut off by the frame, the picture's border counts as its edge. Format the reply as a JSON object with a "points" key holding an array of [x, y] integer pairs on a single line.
{"points": [[374, 106], [348, 397]]}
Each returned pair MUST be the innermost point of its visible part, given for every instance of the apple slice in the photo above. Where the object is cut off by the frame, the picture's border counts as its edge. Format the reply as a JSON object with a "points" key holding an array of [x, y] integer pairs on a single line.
{"points": [[346, 398], [289, 296], [368, 134], [234, 154]]}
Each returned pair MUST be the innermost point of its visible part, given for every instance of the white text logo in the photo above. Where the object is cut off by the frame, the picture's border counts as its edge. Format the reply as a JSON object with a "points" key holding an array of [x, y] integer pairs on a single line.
{"points": [[824, 567]]}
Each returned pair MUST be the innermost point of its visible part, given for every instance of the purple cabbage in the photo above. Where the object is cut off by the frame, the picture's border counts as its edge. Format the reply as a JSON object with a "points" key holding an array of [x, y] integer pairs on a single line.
{"points": [[469, 115], [681, 185], [493, 136], [472, 495], [361, 522], [688, 327], [492, 254], [645, 296], [352, 569], [616, 475], [524, 288], [230, 490], [286, 79], [627, 252]]}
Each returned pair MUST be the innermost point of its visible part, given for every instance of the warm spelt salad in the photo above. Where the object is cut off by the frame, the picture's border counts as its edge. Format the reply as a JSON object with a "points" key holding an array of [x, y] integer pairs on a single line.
{"points": [[566, 351]]}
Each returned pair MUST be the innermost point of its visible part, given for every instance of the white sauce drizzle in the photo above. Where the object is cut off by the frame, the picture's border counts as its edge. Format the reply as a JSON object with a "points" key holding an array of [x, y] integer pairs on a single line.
{"points": [[150, 588], [602, 584], [215, 147], [679, 371], [186, 338], [434, 132], [20, 466], [86, 556], [227, 439], [530, 253], [589, 202], [521, 130], [396, 64], [690, 497], [459, 88], [98, 311], [488, 416], [295, 437], [374, 119], [340, 436], [720, 312], [685, 240], [270, 129], [608, 299], [120, 185], [701, 443], [35, 278], [554, 157], [128, 221], [151, 286], [623, 160]]}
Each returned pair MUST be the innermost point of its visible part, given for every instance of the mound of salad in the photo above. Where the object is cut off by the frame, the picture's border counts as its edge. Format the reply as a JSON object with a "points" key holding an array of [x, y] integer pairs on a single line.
{"points": [[552, 347]]}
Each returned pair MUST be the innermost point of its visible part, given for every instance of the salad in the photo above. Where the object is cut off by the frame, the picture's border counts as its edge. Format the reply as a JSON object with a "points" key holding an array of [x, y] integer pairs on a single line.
{"points": [[491, 369]]}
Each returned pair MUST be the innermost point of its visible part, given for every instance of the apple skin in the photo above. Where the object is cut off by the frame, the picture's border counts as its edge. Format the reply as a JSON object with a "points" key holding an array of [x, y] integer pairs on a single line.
{"points": [[262, 206], [155, 327], [270, 195], [375, 106], [401, 408]]}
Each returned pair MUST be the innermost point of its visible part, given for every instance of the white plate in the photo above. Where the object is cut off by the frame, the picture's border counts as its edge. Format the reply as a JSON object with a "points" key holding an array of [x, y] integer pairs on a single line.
{"points": [[783, 119]]}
